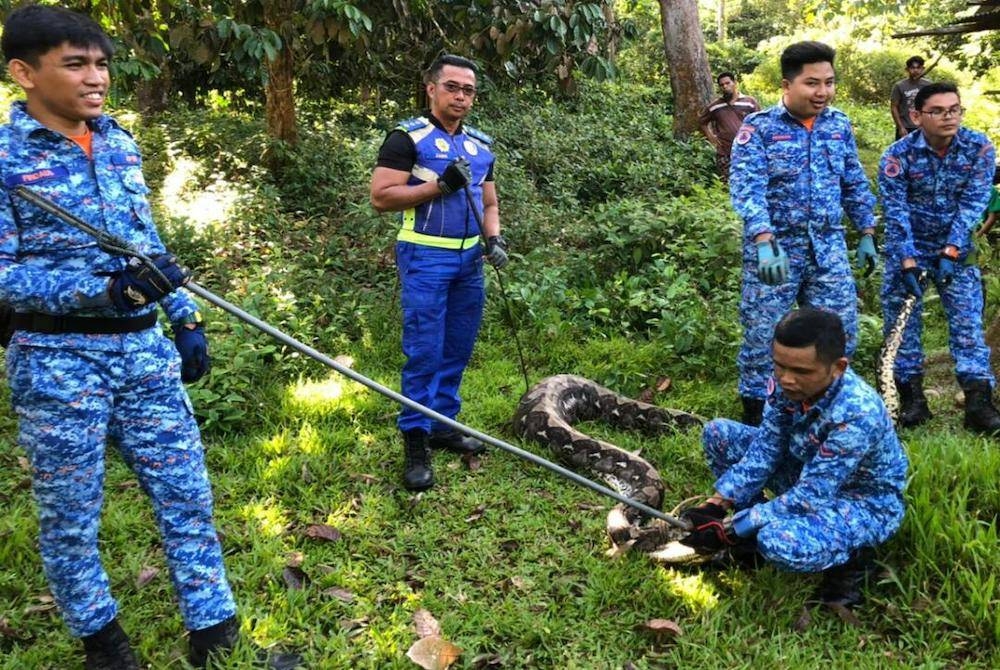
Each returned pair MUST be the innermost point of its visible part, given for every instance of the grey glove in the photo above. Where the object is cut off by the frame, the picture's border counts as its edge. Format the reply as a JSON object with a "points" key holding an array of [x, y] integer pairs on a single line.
{"points": [[456, 176], [496, 251]]}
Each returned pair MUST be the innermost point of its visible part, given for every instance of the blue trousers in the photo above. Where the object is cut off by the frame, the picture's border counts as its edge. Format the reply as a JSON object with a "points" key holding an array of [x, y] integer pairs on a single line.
{"points": [[806, 542], [828, 286], [443, 296], [70, 403], [962, 301]]}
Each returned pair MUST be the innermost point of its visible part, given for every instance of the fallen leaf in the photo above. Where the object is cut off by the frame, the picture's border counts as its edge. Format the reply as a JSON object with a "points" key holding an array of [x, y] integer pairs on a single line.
{"points": [[663, 384], [6, 630], [433, 653], [590, 507], [322, 531], [295, 559], [663, 629], [146, 575], [343, 595], [294, 577], [24, 463], [472, 461], [426, 624], [477, 514], [508, 546], [40, 609], [646, 395], [345, 360], [353, 624], [365, 478]]}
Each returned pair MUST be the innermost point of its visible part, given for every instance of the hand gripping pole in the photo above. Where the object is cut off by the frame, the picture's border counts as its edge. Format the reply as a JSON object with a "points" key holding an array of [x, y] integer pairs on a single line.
{"points": [[117, 246]]}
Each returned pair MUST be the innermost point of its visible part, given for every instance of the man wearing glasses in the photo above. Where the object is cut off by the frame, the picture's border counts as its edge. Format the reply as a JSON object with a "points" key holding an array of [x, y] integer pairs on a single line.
{"points": [[437, 173], [935, 184]]}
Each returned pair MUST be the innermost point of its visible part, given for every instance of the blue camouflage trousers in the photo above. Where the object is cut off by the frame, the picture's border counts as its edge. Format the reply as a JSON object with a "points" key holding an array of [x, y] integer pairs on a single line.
{"points": [[962, 301], [828, 286], [443, 296], [70, 404], [807, 541]]}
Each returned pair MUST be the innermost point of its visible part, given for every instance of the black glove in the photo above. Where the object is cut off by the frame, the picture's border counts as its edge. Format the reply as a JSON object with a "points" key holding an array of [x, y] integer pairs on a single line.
{"points": [[703, 514], [457, 175], [193, 347], [138, 285], [946, 269], [911, 281], [710, 537], [496, 251]]}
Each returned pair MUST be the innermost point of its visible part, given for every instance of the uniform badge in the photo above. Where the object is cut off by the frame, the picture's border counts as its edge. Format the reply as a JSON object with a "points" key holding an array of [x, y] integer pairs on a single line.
{"points": [[892, 167], [470, 147], [743, 136], [441, 144]]}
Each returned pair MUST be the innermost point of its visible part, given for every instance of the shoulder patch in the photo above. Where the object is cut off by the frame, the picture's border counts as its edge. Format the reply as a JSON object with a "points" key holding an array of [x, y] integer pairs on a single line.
{"points": [[745, 133], [892, 167], [413, 124], [478, 134]]}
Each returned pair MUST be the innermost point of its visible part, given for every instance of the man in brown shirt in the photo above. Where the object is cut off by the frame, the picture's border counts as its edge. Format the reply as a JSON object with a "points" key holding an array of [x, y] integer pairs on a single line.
{"points": [[723, 117]]}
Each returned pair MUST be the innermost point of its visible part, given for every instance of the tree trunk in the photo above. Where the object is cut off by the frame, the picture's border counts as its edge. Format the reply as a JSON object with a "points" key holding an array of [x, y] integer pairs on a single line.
{"points": [[153, 95], [280, 99], [687, 63]]}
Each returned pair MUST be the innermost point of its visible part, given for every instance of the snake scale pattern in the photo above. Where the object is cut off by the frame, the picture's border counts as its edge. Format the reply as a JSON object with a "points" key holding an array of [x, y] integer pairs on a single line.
{"points": [[546, 414]]}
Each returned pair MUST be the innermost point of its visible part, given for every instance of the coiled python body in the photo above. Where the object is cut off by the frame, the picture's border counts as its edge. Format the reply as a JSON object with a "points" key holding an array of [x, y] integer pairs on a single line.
{"points": [[546, 414]]}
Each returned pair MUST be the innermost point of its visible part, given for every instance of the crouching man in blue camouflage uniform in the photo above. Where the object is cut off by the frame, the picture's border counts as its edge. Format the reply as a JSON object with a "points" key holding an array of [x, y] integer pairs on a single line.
{"points": [[935, 184], [433, 169], [88, 364], [795, 171], [827, 451]]}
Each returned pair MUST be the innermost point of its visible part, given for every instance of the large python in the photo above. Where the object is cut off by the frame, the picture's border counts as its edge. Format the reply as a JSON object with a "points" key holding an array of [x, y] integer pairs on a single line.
{"points": [[546, 414]]}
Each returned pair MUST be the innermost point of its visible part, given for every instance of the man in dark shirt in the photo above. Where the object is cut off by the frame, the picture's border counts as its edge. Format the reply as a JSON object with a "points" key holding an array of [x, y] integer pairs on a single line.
{"points": [[434, 170], [903, 93], [722, 119]]}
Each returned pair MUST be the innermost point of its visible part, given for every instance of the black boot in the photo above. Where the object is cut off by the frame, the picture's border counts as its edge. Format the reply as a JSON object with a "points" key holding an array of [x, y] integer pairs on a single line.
{"points": [[980, 414], [452, 440], [417, 473], [842, 584], [913, 409], [109, 649], [753, 411], [215, 641]]}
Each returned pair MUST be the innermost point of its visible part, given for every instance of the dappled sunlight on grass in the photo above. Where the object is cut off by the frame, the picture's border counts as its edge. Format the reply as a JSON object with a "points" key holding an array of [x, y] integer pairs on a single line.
{"points": [[696, 593], [276, 468], [332, 394], [269, 518], [201, 207]]}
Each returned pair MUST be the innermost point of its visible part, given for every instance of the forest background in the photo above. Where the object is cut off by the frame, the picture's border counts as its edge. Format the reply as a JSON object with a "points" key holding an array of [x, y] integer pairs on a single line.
{"points": [[260, 122]]}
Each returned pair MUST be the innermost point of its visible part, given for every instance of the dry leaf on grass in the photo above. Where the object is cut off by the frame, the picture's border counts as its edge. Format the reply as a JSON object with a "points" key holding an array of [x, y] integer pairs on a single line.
{"points": [[477, 514], [433, 653], [295, 559], [340, 594], [295, 578], [145, 576], [425, 624], [663, 630], [322, 531]]}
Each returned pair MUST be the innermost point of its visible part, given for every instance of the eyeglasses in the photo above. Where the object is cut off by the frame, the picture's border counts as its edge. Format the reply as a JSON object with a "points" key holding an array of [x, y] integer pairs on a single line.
{"points": [[452, 87], [944, 113]]}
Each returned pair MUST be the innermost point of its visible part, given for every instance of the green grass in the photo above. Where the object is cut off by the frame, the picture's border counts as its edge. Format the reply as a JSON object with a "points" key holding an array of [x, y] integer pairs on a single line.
{"points": [[510, 557]]}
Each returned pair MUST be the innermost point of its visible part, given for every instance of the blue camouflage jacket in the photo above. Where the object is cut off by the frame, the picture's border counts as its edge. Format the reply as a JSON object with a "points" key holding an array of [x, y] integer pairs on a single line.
{"points": [[796, 183], [929, 200], [47, 265], [845, 444]]}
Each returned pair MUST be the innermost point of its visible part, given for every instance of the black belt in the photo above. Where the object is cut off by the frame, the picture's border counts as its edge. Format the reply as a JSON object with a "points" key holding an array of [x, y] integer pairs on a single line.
{"points": [[88, 325]]}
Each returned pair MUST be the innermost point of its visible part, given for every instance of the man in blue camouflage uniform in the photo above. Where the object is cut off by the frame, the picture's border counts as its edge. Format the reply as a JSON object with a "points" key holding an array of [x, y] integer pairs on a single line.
{"points": [[87, 363], [935, 184], [433, 170], [795, 171], [828, 452]]}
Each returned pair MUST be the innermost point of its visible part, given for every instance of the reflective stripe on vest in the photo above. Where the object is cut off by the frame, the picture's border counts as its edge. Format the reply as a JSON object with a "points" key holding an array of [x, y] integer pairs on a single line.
{"points": [[408, 234]]}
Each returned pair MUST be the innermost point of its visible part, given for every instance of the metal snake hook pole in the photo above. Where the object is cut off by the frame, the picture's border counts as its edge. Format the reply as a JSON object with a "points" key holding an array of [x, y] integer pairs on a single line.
{"points": [[124, 249], [503, 289]]}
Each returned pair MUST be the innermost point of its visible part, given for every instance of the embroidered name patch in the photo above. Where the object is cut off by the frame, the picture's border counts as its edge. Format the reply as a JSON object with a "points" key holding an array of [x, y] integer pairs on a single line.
{"points": [[29, 178]]}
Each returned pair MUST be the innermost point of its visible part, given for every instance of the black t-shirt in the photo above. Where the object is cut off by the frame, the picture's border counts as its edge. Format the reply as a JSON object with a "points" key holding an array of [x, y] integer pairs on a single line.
{"points": [[399, 153]]}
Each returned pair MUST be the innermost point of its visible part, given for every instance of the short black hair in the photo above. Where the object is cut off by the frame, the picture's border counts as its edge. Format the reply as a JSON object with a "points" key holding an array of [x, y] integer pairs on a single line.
{"points": [[449, 59], [914, 60], [798, 55], [933, 89], [723, 75], [33, 30], [808, 326]]}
